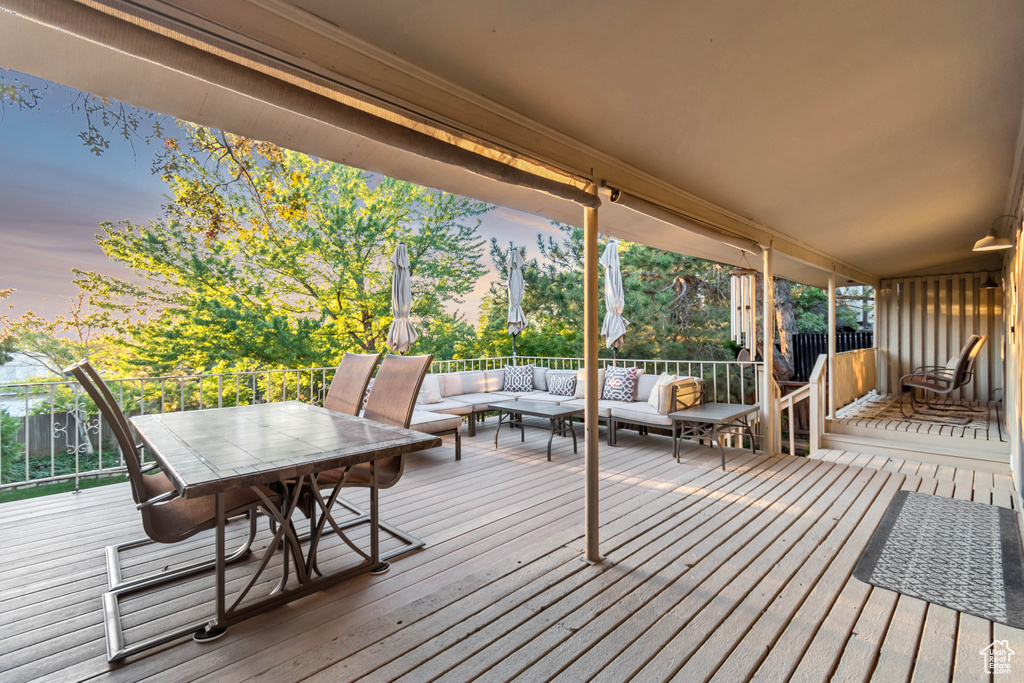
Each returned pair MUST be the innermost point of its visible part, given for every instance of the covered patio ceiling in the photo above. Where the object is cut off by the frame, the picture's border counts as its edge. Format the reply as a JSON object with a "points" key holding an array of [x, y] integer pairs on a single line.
{"points": [[879, 138]]}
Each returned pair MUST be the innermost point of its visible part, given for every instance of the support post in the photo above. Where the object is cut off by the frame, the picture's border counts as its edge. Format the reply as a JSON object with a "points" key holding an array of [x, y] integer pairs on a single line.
{"points": [[769, 418], [879, 362], [831, 344], [590, 416]]}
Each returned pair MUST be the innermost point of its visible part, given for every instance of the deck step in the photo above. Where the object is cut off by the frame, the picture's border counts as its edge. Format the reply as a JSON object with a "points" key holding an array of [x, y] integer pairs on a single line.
{"points": [[947, 439], [986, 456]]}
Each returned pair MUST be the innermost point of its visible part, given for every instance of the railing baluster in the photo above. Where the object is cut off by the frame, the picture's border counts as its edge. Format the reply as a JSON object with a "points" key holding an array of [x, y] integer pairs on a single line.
{"points": [[27, 434], [53, 450]]}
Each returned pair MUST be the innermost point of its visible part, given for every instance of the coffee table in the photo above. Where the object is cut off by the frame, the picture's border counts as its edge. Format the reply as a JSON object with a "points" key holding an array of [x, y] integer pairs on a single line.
{"points": [[560, 417], [714, 421]]}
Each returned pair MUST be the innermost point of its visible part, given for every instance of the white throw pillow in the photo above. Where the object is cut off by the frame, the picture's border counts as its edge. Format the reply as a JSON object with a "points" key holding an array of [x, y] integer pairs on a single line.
{"points": [[655, 400], [430, 390], [581, 383]]}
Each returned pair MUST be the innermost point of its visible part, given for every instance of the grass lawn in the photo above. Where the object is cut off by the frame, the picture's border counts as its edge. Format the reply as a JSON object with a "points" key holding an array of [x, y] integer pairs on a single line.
{"points": [[59, 487]]}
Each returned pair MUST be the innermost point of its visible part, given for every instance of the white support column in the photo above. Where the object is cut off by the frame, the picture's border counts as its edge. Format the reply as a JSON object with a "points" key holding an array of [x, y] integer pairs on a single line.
{"points": [[768, 417], [879, 361], [831, 343], [591, 341]]}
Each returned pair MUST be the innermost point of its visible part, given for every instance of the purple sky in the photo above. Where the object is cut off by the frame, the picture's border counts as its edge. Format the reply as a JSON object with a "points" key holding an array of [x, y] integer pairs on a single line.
{"points": [[54, 194]]}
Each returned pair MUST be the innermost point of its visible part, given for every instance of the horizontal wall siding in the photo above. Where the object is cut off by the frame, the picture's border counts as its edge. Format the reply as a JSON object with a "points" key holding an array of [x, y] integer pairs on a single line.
{"points": [[926, 320]]}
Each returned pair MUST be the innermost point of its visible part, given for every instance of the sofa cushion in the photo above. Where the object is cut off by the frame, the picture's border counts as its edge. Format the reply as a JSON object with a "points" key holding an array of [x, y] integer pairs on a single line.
{"points": [[619, 384], [642, 413], [430, 422], [644, 384], [451, 407], [581, 381], [546, 397], [540, 381], [524, 395], [604, 408], [459, 383], [494, 380], [430, 390], [518, 378], [562, 385], [480, 401]]}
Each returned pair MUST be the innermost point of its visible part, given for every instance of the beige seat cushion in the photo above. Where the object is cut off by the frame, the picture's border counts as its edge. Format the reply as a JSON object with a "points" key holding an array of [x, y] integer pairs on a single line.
{"points": [[545, 397], [481, 400], [451, 407], [604, 408], [644, 385], [642, 413], [460, 383], [432, 423]]}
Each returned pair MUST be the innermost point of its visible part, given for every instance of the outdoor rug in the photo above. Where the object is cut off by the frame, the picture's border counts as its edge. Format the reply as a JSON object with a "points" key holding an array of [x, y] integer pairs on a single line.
{"points": [[962, 555], [887, 408]]}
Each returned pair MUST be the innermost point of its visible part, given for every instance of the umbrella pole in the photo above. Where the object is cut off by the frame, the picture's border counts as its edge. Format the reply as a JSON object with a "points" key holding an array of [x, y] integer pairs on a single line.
{"points": [[513, 349]]}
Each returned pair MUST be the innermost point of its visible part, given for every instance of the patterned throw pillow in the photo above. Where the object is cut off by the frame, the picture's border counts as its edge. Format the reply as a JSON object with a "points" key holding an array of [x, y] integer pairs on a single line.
{"points": [[619, 384], [519, 378], [561, 385], [367, 394]]}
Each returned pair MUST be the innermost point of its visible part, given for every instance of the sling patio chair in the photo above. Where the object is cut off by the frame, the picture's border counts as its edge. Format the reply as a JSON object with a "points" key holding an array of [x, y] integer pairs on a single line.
{"points": [[166, 517], [942, 380], [392, 400], [350, 381]]}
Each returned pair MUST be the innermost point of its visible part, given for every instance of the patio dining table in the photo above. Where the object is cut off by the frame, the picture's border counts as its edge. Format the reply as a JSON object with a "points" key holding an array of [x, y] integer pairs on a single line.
{"points": [[213, 452]]}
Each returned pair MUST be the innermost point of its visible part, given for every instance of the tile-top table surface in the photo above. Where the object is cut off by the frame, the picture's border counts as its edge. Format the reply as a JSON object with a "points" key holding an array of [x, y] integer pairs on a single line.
{"points": [[715, 413], [209, 451], [536, 408]]}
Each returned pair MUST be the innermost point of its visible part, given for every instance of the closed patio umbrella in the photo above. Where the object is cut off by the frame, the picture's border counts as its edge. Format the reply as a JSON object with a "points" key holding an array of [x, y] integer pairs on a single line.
{"points": [[516, 319], [401, 335], [614, 327]]}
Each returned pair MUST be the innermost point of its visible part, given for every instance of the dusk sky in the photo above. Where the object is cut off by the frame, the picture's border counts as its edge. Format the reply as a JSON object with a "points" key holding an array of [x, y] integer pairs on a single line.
{"points": [[54, 194]]}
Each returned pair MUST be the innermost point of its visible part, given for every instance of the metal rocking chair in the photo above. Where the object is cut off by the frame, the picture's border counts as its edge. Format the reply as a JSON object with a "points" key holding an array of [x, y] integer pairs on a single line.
{"points": [[941, 379]]}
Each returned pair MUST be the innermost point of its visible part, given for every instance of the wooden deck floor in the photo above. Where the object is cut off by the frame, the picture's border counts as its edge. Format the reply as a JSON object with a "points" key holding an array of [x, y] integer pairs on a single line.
{"points": [[709, 575]]}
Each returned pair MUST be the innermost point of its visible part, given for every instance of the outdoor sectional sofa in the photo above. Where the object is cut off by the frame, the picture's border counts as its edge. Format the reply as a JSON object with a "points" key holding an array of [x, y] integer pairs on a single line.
{"points": [[449, 397]]}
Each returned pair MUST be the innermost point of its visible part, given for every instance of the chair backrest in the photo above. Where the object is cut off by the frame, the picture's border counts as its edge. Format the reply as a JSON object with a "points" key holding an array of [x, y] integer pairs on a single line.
{"points": [[349, 383], [395, 388], [964, 369], [118, 423]]}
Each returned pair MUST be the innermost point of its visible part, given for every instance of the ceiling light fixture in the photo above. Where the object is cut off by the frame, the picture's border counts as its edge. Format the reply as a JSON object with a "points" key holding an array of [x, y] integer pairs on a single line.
{"points": [[990, 283], [992, 241]]}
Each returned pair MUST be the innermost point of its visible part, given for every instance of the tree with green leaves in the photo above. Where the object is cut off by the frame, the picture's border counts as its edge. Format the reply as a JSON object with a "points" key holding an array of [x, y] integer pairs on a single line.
{"points": [[272, 258]]}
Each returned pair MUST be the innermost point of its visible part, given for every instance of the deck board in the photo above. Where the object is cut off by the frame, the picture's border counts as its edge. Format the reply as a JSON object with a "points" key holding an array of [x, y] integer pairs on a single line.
{"points": [[708, 575]]}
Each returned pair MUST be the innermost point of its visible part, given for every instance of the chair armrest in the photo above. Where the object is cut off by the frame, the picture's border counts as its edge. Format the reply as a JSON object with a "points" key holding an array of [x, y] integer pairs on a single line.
{"points": [[681, 394], [162, 498]]}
